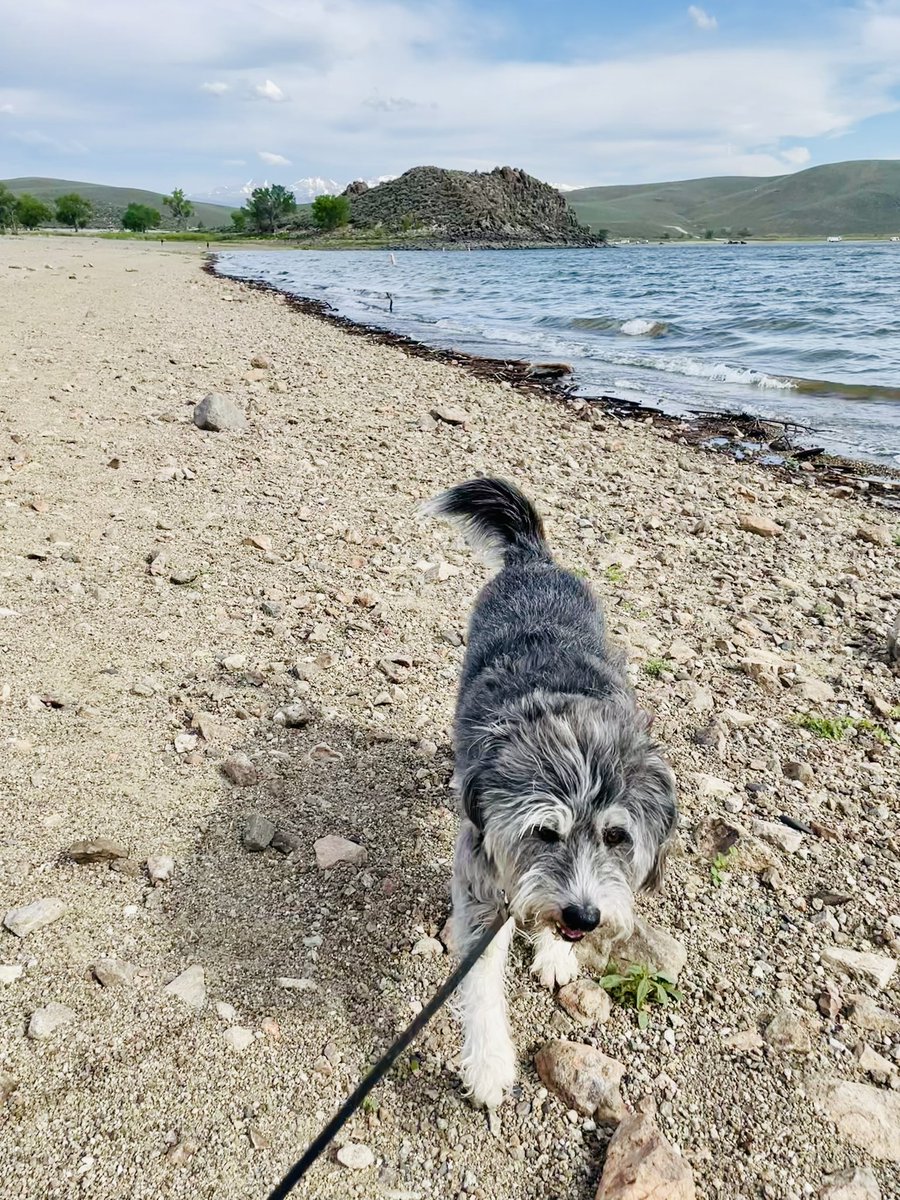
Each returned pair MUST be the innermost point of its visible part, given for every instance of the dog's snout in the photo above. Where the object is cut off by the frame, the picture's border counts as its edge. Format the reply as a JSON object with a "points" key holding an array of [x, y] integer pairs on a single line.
{"points": [[584, 918]]}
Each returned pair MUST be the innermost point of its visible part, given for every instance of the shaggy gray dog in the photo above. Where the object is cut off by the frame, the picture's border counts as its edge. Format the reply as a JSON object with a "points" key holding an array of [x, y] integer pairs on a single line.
{"points": [[568, 804]]}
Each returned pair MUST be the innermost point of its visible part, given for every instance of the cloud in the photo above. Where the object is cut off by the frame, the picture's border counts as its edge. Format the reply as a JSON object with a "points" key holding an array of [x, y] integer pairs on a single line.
{"points": [[269, 91], [7, 108], [798, 155], [215, 89], [701, 18], [273, 160]]}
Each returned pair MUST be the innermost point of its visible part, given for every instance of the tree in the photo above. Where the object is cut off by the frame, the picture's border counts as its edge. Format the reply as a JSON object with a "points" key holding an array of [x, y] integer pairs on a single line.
{"points": [[239, 220], [602, 235], [329, 212], [269, 207], [32, 212], [710, 234], [8, 214], [140, 217], [73, 210], [179, 206]]}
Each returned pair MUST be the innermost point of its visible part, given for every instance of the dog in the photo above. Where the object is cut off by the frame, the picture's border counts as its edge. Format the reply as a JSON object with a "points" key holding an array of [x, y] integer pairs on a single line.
{"points": [[568, 805]]}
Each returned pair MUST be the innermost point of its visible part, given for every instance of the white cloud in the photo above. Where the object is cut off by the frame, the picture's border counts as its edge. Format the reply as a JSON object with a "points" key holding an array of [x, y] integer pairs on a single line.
{"points": [[270, 91], [798, 155], [217, 88], [273, 160], [7, 108], [701, 18]]}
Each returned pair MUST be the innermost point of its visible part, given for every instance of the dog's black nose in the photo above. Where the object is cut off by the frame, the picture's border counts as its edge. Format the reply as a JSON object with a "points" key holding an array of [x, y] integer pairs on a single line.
{"points": [[584, 919]]}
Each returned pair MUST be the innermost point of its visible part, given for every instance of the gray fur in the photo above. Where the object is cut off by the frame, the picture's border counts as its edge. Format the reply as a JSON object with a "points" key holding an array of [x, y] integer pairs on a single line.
{"points": [[548, 736]]}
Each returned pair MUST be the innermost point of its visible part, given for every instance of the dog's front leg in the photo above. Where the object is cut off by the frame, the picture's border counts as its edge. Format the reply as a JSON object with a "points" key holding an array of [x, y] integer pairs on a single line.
{"points": [[555, 961], [488, 1062]]}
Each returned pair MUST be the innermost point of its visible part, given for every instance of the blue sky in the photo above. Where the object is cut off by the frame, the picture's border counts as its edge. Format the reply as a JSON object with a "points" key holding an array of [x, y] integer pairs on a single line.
{"points": [[214, 92]]}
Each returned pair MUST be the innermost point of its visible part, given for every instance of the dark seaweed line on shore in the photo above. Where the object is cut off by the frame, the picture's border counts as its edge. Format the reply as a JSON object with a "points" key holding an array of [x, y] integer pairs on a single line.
{"points": [[830, 471]]}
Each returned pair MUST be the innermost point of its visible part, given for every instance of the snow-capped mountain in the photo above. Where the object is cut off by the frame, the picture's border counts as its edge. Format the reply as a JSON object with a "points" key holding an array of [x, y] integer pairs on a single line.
{"points": [[305, 190]]}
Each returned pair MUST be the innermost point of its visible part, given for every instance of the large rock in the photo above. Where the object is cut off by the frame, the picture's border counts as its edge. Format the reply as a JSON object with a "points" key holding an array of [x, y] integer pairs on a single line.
{"points": [[586, 1002], [583, 1078], [856, 1183], [218, 414], [331, 850], [94, 850], [864, 1013], [868, 1117], [642, 1165], [34, 916], [45, 1021], [762, 526], [788, 1033], [189, 987], [876, 969]]}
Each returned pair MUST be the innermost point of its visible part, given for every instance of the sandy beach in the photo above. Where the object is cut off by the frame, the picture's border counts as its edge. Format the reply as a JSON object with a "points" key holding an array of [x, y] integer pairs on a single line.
{"points": [[171, 598]]}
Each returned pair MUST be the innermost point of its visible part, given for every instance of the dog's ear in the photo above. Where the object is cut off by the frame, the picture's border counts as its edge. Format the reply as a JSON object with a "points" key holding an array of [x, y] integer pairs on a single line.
{"points": [[653, 883], [464, 784]]}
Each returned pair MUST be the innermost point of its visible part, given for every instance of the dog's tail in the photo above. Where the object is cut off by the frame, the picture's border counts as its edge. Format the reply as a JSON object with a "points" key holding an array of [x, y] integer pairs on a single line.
{"points": [[497, 520]]}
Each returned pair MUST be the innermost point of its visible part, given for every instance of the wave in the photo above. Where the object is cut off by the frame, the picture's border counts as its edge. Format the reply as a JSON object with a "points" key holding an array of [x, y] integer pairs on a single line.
{"points": [[643, 327], [682, 364]]}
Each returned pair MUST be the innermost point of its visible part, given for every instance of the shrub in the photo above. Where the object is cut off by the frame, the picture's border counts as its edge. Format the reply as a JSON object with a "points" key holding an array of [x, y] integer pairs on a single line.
{"points": [[138, 218], [31, 212], [73, 210], [330, 212]]}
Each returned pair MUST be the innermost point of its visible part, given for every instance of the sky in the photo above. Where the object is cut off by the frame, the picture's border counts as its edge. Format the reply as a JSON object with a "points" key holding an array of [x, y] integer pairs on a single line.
{"points": [[203, 93]]}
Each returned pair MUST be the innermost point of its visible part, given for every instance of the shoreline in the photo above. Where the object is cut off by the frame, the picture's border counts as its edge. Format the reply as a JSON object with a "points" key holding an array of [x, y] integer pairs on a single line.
{"points": [[879, 484], [206, 632]]}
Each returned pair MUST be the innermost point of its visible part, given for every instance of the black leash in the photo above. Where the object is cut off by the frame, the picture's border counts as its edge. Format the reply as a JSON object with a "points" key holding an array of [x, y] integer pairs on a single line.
{"points": [[381, 1068]]}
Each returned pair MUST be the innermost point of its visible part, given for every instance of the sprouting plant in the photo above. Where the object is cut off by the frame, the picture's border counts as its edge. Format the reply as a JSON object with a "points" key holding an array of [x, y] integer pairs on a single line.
{"points": [[580, 572], [832, 728], [655, 667], [614, 573], [369, 1105], [637, 986], [720, 864]]}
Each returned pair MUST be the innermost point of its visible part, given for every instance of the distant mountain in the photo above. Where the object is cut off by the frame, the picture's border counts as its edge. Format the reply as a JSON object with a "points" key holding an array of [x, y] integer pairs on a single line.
{"points": [[305, 190], [498, 208], [110, 202], [851, 199]]}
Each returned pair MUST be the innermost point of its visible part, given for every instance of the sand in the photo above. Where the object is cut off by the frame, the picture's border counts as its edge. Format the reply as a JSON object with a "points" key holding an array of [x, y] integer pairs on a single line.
{"points": [[301, 567]]}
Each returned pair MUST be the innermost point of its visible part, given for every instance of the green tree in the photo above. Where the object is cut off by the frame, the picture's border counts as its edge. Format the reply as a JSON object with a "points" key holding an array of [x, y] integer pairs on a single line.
{"points": [[138, 218], [710, 234], [270, 207], [179, 206], [73, 210], [329, 212], [602, 235], [239, 220], [31, 212], [8, 215]]}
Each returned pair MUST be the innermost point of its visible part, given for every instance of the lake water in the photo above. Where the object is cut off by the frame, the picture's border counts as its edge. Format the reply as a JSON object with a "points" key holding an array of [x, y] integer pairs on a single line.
{"points": [[805, 333]]}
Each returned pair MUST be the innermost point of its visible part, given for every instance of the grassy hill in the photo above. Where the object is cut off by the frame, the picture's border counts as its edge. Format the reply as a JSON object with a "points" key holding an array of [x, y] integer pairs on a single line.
{"points": [[110, 202], [852, 199]]}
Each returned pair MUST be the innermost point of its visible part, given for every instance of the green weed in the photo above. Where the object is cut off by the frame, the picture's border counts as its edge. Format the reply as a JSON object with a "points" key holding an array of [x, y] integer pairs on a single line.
{"points": [[655, 667], [638, 986], [614, 573], [720, 864]]}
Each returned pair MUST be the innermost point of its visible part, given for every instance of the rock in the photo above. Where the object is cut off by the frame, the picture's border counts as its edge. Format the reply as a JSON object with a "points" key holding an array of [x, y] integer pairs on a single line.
{"points": [[239, 1037], [715, 836], [218, 414], [331, 850], [866, 1014], [293, 716], [798, 770], [876, 969], [234, 662], [45, 1021], [745, 1041], [227, 1012], [815, 690], [787, 1032], [177, 1155], [240, 770], [873, 1063], [875, 535], [786, 839], [762, 526], [184, 743], [893, 642], [711, 787], [34, 916], [160, 868], [189, 987], [286, 841], [585, 1001], [10, 972], [93, 850], [583, 1078], [183, 575], [114, 972], [856, 1183], [356, 1156], [868, 1117], [653, 948], [428, 947], [450, 415], [260, 362], [258, 832], [641, 1165]]}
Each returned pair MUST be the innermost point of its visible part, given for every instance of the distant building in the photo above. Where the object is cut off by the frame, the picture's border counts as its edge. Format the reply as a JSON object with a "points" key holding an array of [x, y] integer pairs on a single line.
{"points": [[834, 239]]}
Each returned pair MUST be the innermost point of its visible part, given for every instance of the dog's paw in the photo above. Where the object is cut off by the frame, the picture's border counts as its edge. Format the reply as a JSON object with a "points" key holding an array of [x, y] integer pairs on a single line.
{"points": [[487, 1081], [555, 963]]}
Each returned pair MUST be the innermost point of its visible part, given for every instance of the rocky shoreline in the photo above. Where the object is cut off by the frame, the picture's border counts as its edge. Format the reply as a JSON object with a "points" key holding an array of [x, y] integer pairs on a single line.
{"points": [[229, 661]]}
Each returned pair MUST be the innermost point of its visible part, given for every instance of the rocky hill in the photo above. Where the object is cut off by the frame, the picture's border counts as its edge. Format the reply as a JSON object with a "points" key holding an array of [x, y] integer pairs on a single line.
{"points": [[503, 207]]}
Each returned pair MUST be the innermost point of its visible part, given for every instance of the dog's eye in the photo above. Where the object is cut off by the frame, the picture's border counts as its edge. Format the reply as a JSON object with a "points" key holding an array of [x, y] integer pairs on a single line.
{"points": [[615, 837], [547, 835]]}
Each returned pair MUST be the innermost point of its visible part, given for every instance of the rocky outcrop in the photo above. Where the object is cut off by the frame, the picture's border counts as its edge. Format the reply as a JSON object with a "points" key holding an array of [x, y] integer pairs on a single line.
{"points": [[504, 207]]}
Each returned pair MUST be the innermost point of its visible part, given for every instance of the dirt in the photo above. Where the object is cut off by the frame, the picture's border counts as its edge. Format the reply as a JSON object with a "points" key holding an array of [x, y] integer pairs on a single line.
{"points": [[170, 596]]}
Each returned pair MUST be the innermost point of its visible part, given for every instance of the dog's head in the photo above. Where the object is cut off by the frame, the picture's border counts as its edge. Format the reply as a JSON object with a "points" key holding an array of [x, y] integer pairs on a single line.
{"points": [[576, 810]]}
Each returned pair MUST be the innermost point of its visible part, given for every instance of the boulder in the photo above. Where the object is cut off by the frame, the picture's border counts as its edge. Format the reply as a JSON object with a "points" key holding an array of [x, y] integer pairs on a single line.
{"points": [[867, 1117], [218, 414], [642, 1165], [584, 1079]]}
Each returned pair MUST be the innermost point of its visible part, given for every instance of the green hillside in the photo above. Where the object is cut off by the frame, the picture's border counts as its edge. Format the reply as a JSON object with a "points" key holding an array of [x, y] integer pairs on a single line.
{"points": [[110, 202], [851, 199]]}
